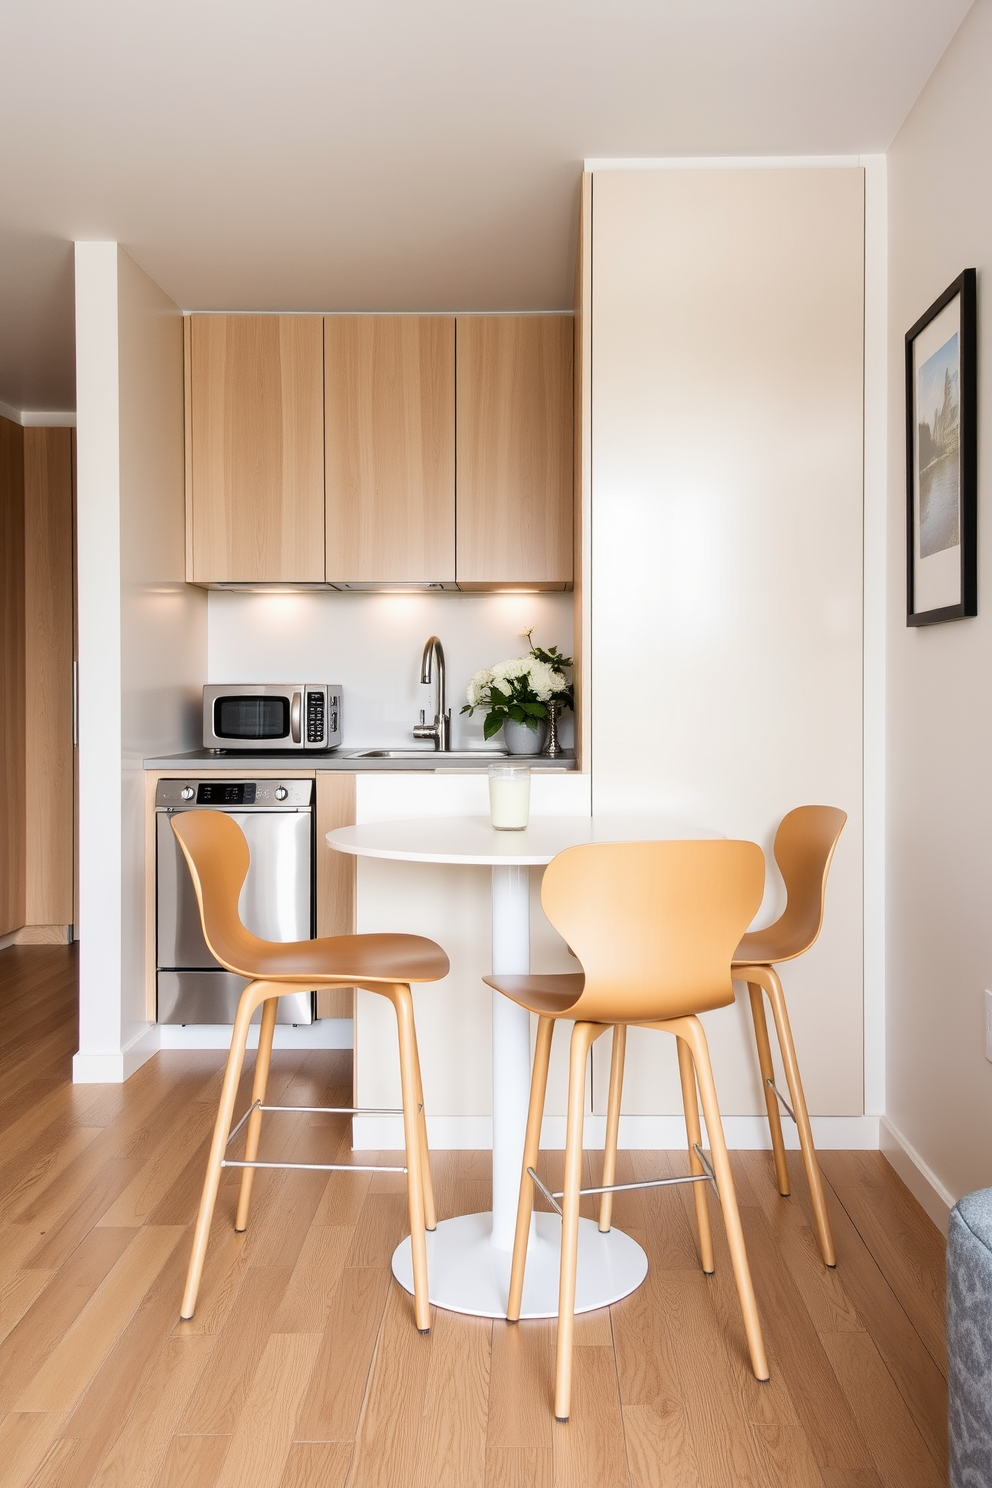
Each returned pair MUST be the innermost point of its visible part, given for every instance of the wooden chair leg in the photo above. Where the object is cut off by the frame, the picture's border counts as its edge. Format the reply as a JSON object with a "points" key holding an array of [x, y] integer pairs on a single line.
{"points": [[768, 1073], [583, 1035], [612, 1124], [254, 1132], [532, 1148], [222, 1130], [692, 1031], [690, 1104], [430, 1213], [791, 1064], [412, 1136]]}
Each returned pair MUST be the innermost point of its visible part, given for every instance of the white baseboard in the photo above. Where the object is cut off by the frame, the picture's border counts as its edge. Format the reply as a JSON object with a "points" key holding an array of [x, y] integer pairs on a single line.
{"points": [[325, 1033], [643, 1133], [918, 1177], [114, 1066], [444, 1133]]}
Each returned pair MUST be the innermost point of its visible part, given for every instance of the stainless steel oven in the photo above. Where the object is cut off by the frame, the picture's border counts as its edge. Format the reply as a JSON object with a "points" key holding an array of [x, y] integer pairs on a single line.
{"points": [[272, 716], [278, 901]]}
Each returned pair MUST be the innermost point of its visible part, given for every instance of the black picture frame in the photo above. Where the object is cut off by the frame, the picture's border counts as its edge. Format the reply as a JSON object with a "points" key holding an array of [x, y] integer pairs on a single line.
{"points": [[942, 458]]}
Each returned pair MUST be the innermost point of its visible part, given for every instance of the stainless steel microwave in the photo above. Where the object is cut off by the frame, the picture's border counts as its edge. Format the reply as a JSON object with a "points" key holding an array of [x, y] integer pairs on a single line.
{"points": [[272, 715]]}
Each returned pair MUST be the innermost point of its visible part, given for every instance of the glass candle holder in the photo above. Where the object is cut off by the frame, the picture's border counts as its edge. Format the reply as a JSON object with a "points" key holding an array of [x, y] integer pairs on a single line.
{"points": [[509, 797]]}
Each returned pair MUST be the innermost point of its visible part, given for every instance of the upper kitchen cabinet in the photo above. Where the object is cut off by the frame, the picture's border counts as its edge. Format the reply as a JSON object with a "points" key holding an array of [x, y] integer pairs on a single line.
{"points": [[255, 449], [514, 451], [389, 448]]}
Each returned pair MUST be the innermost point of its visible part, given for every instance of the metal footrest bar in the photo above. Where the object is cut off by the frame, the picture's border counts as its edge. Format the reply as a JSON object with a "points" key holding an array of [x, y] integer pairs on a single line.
{"points": [[320, 1111], [255, 1105], [325, 1111], [782, 1099], [708, 1177], [706, 1164], [315, 1167], [343, 1110], [551, 1198]]}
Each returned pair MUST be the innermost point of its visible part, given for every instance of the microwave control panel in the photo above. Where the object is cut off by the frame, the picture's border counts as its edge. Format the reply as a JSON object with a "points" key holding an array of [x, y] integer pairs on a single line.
{"points": [[315, 718]]}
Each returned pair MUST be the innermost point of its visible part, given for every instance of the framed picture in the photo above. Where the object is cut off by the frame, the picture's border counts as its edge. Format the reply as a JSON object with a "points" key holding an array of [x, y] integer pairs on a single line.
{"points": [[941, 459]]}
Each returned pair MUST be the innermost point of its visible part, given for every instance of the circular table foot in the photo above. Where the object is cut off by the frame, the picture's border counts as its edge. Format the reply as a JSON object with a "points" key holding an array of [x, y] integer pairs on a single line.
{"points": [[467, 1274]]}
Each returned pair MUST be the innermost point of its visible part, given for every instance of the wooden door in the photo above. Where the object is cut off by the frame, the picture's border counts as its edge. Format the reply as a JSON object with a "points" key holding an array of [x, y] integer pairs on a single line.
{"points": [[12, 696], [514, 450], [48, 650], [389, 409], [255, 449]]}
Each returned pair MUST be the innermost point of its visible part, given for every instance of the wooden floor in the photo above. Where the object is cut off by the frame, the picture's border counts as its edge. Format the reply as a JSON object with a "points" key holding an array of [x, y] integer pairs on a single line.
{"points": [[302, 1365]]}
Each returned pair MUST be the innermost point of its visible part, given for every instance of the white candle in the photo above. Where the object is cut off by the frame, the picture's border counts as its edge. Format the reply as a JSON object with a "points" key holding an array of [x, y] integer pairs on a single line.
{"points": [[509, 797]]}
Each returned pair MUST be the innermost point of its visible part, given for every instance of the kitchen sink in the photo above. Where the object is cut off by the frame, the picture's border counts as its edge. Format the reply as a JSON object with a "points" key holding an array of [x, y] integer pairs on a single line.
{"points": [[440, 755]]}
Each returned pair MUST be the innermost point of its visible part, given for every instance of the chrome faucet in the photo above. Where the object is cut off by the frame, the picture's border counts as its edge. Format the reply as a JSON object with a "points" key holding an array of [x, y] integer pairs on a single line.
{"points": [[432, 670]]}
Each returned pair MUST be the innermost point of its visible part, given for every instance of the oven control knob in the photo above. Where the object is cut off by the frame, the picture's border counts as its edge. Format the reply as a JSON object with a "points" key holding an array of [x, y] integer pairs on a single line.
{"points": [[187, 792], [281, 793]]}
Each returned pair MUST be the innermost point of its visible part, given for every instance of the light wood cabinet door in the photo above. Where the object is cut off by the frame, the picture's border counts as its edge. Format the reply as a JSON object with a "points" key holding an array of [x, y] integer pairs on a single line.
{"points": [[389, 448], [255, 466], [514, 450]]}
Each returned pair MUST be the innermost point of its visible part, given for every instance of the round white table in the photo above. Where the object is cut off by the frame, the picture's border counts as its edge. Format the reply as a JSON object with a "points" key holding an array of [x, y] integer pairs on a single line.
{"points": [[469, 1256]]}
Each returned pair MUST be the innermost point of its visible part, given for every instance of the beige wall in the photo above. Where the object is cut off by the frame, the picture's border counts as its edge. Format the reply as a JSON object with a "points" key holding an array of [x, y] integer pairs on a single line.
{"points": [[727, 525], [939, 767]]}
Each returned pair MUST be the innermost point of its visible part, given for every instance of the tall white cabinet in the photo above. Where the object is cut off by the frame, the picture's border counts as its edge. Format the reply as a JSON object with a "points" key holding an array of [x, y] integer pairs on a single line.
{"points": [[726, 566], [721, 595]]}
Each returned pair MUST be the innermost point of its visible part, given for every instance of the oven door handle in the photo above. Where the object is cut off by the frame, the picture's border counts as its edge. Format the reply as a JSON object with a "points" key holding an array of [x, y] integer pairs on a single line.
{"points": [[294, 716]]}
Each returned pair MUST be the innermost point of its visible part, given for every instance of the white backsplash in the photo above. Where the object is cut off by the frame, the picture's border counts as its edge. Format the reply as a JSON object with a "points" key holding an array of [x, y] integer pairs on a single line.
{"points": [[373, 644]]}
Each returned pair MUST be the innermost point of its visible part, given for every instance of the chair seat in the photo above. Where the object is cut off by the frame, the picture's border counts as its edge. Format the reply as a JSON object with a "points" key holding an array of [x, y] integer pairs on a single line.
{"points": [[764, 948], [552, 994], [346, 958]]}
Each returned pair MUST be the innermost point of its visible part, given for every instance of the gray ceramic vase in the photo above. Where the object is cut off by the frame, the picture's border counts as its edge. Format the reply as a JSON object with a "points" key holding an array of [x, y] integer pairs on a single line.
{"points": [[519, 738]]}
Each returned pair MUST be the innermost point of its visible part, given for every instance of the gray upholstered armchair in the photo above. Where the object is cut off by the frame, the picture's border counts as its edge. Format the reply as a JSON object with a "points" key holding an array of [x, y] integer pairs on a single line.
{"points": [[969, 1340]]}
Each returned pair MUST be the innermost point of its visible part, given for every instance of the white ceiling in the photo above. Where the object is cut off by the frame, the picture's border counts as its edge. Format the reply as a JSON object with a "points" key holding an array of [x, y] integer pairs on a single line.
{"points": [[392, 154]]}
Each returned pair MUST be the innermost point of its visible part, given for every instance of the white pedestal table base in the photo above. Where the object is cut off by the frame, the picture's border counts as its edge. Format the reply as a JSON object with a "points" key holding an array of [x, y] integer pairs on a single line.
{"points": [[469, 1257], [467, 1273]]}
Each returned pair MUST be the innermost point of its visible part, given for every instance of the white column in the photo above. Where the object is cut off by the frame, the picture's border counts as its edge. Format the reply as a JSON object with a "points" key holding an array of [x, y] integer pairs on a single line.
{"points": [[99, 609], [511, 1047]]}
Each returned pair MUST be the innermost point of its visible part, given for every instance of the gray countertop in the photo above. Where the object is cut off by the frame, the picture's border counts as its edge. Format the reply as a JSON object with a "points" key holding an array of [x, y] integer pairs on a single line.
{"points": [[352, 760]]}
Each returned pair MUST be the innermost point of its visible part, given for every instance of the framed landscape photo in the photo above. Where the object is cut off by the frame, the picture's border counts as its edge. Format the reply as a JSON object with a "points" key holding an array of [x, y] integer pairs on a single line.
{"points": [[941, 459]]}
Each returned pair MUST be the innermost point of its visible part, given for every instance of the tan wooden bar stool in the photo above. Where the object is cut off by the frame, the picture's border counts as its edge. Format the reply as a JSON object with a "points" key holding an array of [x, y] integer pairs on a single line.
{"points": [[804, 848], [654, 925], [218, 857]]}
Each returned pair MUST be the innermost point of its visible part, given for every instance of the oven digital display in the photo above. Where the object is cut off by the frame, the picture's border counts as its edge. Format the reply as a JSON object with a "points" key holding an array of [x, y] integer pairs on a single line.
{"points": [[225, 793], [248, 717]]}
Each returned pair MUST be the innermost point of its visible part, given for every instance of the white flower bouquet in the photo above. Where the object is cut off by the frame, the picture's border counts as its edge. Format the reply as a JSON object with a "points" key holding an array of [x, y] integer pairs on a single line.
{"points": [[520, 689]]}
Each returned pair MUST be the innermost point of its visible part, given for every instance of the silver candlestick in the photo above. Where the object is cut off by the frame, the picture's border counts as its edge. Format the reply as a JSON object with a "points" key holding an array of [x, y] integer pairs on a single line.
{"points": [[553, 749]]}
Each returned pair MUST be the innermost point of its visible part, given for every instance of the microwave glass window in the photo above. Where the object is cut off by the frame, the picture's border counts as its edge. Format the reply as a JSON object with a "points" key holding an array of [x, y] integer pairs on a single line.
{"points": [[251, 718]]}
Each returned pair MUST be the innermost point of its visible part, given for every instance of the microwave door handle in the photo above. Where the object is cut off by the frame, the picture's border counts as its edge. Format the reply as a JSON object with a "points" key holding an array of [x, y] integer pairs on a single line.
{"points": [[294, 716]]}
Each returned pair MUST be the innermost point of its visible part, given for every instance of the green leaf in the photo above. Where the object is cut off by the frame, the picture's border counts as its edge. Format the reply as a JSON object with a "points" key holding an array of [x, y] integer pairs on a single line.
{"points": [[493, 724]]}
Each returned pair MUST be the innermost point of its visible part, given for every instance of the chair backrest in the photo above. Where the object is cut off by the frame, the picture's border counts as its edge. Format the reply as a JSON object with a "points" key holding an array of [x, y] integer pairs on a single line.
{"points": [[804, 849], [653, 924], [216, 850]]}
